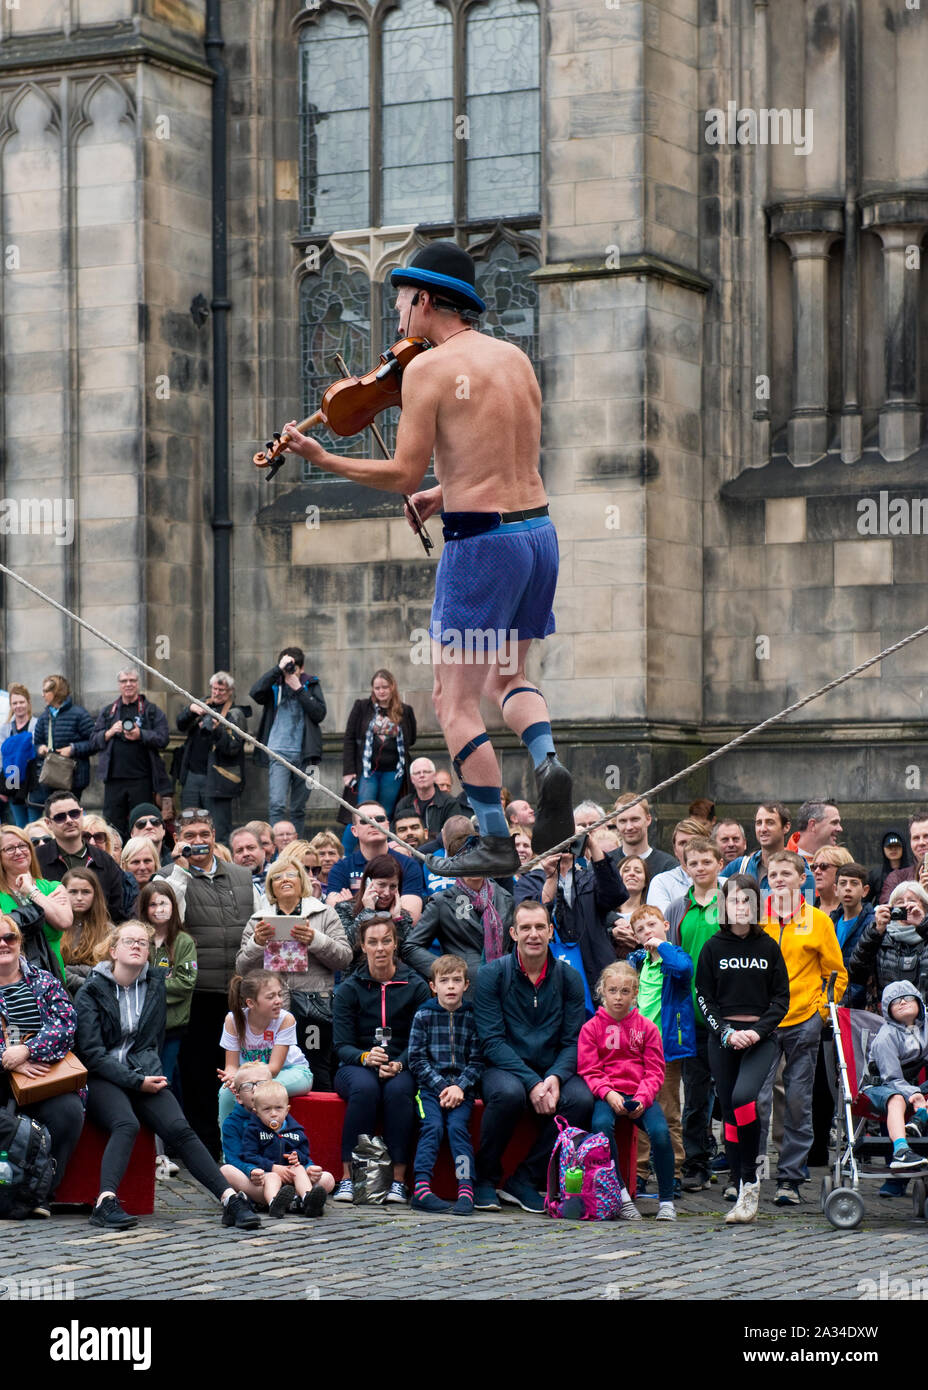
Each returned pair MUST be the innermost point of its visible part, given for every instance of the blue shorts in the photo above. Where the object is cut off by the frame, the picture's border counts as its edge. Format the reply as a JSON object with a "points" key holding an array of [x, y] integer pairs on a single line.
{"points": [[498, 587], [880, 1096]]}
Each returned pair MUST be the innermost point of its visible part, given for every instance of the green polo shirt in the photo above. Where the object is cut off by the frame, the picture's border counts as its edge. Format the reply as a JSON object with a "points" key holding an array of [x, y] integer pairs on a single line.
{"points": [[697, 926], [650, 989]]}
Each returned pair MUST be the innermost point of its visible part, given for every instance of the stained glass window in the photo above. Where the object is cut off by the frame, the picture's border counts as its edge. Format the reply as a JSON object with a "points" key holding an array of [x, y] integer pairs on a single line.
{"points": [[334, 317], [418, 114], [502, 109], [511, 297], [334, 124]]}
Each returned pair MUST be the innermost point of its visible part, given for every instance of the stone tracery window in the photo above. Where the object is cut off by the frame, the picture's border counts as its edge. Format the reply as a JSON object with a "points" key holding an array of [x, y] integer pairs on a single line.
{"points": [[424, 117]]}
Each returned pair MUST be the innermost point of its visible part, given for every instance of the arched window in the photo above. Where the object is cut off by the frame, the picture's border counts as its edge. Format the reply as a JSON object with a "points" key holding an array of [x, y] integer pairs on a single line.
{"points": [[452, 150], [334, 124], [502, 146], [417, 114]]}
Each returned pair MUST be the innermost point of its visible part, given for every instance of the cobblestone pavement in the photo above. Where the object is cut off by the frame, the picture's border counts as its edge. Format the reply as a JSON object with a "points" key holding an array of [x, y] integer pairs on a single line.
{"points": [[182, 1252]]}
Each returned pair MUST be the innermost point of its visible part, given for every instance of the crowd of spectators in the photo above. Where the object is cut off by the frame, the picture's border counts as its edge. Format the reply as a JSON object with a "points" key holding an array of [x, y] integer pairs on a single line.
{"points": [[178, 953]]}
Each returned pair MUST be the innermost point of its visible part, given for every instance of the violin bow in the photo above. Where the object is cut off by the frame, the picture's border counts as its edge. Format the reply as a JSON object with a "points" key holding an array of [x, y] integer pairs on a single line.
{"points": [[427, 542]]}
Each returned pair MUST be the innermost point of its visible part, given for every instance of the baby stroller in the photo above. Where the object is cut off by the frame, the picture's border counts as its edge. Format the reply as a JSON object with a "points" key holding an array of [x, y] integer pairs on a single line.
{"points": [[842, 1202]]}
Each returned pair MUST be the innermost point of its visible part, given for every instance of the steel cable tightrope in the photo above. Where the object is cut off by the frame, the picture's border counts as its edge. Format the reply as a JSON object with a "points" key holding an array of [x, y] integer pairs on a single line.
{"points": [[314, 784]]}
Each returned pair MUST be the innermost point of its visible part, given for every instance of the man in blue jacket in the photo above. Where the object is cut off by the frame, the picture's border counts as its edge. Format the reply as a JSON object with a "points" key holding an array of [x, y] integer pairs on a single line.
{"points": [[530, 1009]]}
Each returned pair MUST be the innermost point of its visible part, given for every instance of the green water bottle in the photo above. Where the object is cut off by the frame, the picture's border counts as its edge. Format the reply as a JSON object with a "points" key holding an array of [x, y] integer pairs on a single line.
{"points": [[573, 1181]]}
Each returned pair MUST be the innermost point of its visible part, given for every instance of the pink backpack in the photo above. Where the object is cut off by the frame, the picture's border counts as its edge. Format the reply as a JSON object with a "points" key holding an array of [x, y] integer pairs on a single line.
{"points": [[600, 1193]]}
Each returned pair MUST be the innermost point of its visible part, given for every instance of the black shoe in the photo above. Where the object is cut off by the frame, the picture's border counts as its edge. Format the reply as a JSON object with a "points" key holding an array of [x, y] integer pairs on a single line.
{"points": [[480, 856], [281, 1204], [554, 813], [109, 1215], [314, 1201], [239, 1212], [696, 1180]]}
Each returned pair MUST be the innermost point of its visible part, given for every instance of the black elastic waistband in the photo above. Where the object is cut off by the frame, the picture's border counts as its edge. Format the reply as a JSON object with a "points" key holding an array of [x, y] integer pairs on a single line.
{"points": [[458, 525]]}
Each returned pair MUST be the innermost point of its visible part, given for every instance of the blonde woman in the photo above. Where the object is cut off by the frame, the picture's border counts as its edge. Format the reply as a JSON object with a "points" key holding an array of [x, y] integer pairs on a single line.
{"points": [[287, 893], [22, 890], [329, 849], [825, 864]]}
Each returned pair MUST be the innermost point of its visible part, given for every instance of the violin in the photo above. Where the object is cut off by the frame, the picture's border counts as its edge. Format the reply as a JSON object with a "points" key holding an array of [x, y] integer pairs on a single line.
{"points": [[351, 405]]}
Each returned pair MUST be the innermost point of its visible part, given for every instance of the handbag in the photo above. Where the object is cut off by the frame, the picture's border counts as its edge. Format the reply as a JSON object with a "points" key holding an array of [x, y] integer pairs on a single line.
{"points": [[316, 1005], [57, 771], [69, 1074]]}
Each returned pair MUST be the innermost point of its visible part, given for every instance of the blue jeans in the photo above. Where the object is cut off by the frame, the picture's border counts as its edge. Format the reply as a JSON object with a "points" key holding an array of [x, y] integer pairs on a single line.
{"points": [[505, 1101], [20, 814], [655, 1127], [434, 1121], [287, 795], [382, 787], [368, 1096], [169, 1051]]}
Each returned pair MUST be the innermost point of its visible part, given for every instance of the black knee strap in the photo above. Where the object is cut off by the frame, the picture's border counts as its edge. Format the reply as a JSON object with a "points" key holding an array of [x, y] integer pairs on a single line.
{"points": [[468, 749], [521, 690]]}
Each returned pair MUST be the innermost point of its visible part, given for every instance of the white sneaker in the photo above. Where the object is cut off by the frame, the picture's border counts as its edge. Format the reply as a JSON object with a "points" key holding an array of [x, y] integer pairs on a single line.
{"points": [[745, 1209], [666, 1212], [164, 1168], [345, 1191], [736, 1215], [750, 1200], [629, 1212]]}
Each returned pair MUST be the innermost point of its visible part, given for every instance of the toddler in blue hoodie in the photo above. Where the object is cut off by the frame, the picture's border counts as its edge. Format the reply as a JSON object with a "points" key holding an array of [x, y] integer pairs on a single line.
{"points": [[275, 1147]]}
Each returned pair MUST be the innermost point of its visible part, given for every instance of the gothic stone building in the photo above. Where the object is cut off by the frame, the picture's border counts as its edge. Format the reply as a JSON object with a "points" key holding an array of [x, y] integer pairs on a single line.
{"points": [[702, 218]]}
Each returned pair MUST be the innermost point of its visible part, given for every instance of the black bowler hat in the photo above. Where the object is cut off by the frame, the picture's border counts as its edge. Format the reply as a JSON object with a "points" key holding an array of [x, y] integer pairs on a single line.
{"points": [[442, 265]]}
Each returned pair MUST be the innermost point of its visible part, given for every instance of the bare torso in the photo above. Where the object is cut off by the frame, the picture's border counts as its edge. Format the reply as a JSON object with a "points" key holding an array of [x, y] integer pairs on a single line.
{"points": [[488, 423]]}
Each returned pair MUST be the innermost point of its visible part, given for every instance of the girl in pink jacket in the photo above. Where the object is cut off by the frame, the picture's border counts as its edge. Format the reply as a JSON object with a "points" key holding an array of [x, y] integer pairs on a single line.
{"points": [[621, 1059]]}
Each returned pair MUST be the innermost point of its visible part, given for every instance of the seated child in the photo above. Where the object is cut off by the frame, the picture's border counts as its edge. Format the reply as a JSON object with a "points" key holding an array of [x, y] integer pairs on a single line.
{"points": [[619, 1056], [444, 1058], [897, 1054], [259, 1029], [665, 996], [235, 1170], [277, 1150]]}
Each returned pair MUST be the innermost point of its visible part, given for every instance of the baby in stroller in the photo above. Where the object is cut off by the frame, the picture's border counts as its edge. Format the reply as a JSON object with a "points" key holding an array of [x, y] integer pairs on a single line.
{"points": [[898, 1055]]}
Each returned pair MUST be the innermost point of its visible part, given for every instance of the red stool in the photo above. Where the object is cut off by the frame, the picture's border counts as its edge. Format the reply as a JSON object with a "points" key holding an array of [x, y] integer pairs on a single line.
{"points": [[81, 1182], [322, 1115]]}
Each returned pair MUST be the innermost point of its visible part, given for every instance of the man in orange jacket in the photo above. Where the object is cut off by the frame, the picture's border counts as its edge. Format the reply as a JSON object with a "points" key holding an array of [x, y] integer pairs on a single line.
{"points": [[807, 938]]}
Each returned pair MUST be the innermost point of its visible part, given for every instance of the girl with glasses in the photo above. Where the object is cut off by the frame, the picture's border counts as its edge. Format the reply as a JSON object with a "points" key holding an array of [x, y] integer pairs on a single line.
{"points": [[121, 1017]]}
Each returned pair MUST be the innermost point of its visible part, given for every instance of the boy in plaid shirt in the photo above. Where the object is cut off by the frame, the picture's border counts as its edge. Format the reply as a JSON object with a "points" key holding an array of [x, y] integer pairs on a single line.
{"points": [[444, 1058]]}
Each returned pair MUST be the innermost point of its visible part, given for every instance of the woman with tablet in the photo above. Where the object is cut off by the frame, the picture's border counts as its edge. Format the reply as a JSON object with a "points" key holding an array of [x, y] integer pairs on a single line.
{"points": [[296, 934]]}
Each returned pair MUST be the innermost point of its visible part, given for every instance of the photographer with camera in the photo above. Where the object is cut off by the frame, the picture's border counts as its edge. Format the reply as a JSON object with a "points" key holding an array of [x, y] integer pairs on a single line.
{"points": [[293, 707], [128, 735], [212, 760], [894, 947]]}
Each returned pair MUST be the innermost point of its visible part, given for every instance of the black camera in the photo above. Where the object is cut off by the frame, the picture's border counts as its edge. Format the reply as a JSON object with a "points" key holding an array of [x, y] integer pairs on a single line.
{"points": [[207, 722], [288, 666], [128, 725], [194, 849], [898, 914]]}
